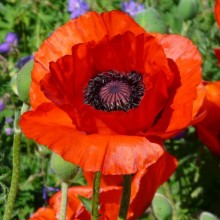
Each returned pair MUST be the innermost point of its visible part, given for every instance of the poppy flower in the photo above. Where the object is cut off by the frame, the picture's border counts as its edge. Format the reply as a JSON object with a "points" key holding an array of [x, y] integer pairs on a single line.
{"points": [[208, 129], [102, 87], [144, 185], [217, 11]]}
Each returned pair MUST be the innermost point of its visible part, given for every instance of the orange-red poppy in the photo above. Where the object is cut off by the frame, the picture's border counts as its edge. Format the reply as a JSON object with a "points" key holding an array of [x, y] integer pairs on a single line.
{"points": [[144, 185], [208, 129], [102, 87], [217, 11], [45, 213]]}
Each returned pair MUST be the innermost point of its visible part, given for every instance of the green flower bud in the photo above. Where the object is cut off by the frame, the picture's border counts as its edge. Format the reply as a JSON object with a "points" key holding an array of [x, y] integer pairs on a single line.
{"points": [[24, 80], [63, 169], [151, 21], [187, 9], [207, 216], [14, 84], [162, 207], [42, 150]]}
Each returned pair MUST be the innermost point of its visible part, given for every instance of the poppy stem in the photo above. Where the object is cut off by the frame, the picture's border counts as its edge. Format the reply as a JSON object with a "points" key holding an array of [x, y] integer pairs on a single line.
{"points": [[125, 200], [16, 165], [95, 196], [64, 199]]}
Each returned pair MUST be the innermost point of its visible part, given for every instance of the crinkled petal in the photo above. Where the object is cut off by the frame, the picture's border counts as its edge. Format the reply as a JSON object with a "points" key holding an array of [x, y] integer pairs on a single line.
{"points": [[45, 213], [65, 86], [109, 200], [208, 129], [185, 61], [146, 182], [75, 209], [110, 154], [88, 27]]}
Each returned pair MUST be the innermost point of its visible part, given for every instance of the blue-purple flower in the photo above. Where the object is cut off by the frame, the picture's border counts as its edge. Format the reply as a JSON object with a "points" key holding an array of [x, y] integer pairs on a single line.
{"points": [[77, 7], [2, 105], [11, 41], [132, 8], [9, 131], [48, 189]]}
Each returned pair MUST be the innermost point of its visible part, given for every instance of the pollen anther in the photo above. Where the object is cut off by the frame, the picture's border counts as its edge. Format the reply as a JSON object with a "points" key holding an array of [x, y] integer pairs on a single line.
{"points": [[111, 91]]}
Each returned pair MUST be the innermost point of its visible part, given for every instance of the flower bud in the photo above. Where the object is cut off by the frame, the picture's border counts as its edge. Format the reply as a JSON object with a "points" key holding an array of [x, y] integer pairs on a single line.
{"points": [[187, 9], [151, 21], [207, 216], [23, 81], [14, 84], [162, 207], [42, 150], [63, 169]]}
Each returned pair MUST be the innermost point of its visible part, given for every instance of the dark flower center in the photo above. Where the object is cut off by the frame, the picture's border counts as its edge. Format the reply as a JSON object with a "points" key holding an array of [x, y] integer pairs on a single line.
{"points": [[111, 91]]}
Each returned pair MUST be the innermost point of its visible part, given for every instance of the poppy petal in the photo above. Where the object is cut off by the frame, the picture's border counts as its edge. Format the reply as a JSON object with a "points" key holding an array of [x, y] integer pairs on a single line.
{"points": [[89, 27], [146, 182], [61, 88], [185, 60], [208, 129], [45, 213], [109, 202], [217, 12], [75, 209], [110, 154]]}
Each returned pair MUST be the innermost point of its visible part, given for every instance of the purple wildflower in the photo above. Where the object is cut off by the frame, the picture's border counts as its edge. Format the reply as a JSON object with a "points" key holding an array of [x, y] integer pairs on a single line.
{"points": [[5, 47], [132, 8], [2, 105], [11, 41], [47, 189], [23, 61], [12, 38], [77, 7], [8, 120], [8, 131]]}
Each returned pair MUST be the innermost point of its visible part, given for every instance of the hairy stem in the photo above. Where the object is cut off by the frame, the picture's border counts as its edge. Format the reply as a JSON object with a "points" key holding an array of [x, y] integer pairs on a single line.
{"points": [[64, 189], [16, 166], [95, 196], [125, 200]]}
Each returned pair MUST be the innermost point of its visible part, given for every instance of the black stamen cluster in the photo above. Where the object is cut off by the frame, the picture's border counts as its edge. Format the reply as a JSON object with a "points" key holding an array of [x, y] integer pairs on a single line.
{"points": [[132, 79]]}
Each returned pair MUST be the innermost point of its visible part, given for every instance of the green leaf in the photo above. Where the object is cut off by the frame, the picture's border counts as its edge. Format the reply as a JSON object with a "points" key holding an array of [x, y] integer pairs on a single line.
{"points": [[86, 202]]}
